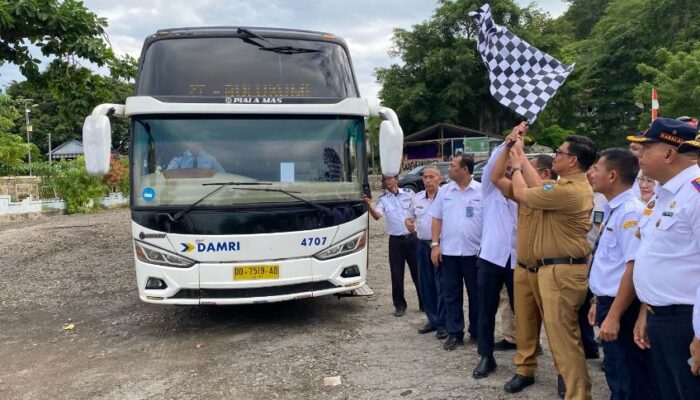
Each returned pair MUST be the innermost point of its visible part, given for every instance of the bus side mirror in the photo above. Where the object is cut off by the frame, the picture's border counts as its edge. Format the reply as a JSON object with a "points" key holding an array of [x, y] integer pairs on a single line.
{"points": [[390, 143], [97, 143]]}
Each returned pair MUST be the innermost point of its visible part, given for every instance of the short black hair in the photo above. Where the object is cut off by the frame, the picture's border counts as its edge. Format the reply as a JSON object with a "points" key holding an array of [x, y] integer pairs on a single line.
{"points": [[545, 161], [622, 161], [466, 161], [583, 148]]}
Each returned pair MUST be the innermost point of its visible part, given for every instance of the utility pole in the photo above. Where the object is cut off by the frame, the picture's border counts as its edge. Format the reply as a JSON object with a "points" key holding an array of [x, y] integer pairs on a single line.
{"points": [[50, 151], [29, 129]]}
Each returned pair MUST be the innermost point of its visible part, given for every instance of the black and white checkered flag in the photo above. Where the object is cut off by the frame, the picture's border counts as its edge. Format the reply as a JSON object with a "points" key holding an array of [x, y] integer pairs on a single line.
{"points": [[523, 78]]}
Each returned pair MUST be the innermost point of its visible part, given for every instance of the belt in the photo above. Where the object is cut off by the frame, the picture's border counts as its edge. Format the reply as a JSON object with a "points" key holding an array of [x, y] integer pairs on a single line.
{"points": [[675, 309], [530, 269], [406, 236], [428, 242], [562, 260]]}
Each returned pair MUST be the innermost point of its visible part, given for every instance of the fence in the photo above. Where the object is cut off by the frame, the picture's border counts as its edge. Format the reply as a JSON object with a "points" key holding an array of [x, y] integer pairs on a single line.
{"points": [[19, 188]]}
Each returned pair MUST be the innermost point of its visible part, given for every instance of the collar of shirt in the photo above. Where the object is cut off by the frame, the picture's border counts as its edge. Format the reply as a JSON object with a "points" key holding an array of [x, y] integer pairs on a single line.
{"points": [[675, 184], [454, 186], [579, 176], [619, 200]]}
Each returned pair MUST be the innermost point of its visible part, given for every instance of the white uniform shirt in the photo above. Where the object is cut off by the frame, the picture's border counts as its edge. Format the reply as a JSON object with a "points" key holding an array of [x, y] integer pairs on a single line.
{"points": [[696, 314], [599, 203], [462, 215], [618, 243], [395, 206], [667, 266], [419, 211], [636, 188], [499, 233]]}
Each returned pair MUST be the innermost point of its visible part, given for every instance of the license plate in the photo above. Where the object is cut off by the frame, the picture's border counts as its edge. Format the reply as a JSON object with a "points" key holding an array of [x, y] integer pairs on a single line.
{"points": [[253, 272]]}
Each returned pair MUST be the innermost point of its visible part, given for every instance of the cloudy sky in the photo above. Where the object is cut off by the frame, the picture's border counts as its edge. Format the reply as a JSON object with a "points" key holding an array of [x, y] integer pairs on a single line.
{"points": [[365, 24]]}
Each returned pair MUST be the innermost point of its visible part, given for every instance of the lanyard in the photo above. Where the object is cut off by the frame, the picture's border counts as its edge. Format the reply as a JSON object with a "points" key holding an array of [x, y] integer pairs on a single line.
{"points": [[600, 234]]}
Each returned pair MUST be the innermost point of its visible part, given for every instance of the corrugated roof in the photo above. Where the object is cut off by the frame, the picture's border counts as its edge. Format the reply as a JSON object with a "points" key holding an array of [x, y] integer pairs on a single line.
{"points": [[69, 148], [449, 131]]}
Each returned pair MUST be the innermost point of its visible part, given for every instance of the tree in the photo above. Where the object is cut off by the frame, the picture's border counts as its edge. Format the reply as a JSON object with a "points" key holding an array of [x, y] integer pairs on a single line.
{"points": [[442, 77], [12, 147], [65, 94], [61, 29], [677, 82]]}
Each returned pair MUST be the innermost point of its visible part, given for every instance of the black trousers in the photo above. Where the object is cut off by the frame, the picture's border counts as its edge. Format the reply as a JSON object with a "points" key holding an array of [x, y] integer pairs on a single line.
{"points": [[402, 251], [628, 369], [670, 331], [456, 272], [490, 281]]}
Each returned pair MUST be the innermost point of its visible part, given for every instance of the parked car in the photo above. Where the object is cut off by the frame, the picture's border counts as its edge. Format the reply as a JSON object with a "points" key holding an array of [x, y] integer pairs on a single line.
{"points": [[478, 170], [414, 178]]}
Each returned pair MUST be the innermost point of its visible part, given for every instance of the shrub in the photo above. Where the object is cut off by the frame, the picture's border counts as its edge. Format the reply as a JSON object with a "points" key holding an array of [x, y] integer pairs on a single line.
{"points": [[118, 176], [81, 192]]}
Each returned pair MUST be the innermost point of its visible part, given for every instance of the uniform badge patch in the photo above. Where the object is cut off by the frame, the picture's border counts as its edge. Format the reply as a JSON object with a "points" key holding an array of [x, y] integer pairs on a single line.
{"points": [[696, 184], [551, 186], [629, 224], [647, 211]]}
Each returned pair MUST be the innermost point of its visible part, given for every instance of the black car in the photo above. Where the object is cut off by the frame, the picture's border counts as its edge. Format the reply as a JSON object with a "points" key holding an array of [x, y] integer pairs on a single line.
{"points": [[414, 178], [478, 170]]}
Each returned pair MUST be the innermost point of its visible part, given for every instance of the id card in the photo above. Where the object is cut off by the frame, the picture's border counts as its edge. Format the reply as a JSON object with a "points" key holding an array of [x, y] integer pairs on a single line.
{"points": [[598, 217], [470, 211]]}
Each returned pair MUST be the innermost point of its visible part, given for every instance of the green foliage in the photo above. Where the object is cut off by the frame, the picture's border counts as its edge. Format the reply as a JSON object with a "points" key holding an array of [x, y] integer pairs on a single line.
{"points": [[81, 192], [13, 150], [64, 94], [552, 136], [442, 77], [621, 49], [59, 28], [677, 82]]}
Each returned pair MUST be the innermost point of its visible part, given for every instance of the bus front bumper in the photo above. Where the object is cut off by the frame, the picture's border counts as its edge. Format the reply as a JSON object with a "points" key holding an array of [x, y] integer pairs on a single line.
{"points": [[213, 283]]}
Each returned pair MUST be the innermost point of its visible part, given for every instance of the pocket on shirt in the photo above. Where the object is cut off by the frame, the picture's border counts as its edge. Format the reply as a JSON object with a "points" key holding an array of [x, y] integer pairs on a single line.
{"points": [[666, 223]]}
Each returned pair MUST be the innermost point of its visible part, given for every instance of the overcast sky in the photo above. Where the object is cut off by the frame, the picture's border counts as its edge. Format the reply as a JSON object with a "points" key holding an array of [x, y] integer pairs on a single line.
{"points": [[365, 24]]}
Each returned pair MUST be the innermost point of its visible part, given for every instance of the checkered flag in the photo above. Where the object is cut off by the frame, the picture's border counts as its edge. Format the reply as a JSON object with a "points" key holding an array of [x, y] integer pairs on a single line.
{"points": [[522, 77]]}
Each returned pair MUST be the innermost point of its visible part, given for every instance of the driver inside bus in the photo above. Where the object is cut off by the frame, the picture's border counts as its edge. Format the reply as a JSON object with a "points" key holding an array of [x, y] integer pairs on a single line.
{"points": [[194, 156]]}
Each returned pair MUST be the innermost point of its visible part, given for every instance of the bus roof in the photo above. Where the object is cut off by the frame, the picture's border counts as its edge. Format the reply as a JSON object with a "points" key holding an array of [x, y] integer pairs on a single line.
{"points": [[232, 31]]}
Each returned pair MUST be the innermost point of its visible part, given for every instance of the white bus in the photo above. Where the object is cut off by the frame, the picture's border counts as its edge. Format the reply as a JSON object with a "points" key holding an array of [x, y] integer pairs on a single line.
{"points": [[248, 164]]}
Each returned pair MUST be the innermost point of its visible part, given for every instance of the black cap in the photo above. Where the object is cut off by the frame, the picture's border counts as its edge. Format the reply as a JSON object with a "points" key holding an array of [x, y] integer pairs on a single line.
{"points": [[666, 130]]}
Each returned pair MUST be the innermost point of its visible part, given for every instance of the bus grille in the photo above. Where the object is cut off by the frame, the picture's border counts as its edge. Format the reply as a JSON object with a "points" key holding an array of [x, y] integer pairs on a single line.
{"points": [[252, 292]]}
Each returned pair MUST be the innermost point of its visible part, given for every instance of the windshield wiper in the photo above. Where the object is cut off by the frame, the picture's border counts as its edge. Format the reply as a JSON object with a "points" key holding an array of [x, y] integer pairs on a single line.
{"points": [[289, 193], [289, 50], [272, 47], [221, 185]]}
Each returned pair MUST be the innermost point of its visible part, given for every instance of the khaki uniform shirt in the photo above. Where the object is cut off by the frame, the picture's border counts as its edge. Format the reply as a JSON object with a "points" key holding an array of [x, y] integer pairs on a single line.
{"points": [[566, 210], [528, 220]]}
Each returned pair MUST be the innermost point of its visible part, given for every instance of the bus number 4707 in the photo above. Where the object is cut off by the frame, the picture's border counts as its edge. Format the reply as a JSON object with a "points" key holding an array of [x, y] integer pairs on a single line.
{"points": [[313, 241]]}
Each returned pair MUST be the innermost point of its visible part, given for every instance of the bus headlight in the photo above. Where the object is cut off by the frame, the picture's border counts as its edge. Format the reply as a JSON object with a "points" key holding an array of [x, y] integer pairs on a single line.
{"points": [[350, 245], [154, 255]]}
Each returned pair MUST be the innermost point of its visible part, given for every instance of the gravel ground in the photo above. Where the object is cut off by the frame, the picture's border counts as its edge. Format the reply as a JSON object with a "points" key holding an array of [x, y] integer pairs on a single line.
{"points": [[78, 270]]}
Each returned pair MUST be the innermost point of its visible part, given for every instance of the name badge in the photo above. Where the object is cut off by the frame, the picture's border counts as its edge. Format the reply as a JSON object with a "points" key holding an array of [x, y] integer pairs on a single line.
{"points": [[470, 211], [598, 217]]}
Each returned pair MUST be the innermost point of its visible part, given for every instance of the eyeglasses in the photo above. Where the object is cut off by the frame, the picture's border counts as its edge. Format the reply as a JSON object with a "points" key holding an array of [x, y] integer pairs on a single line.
{"points": [[645, 180], [558, 151]]}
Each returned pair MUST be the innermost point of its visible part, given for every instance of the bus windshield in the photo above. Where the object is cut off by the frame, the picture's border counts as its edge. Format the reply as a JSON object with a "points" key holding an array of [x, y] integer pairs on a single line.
{"points": [[316, 158], [218, 67]]}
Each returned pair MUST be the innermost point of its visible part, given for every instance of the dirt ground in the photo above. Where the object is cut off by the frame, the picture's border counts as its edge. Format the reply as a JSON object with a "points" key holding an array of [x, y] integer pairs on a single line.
{"points": [[79, 270]]}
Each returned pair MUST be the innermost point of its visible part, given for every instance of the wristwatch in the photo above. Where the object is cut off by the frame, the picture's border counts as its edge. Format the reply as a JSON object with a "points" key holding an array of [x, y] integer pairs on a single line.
{"points": [[433, 244]]}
